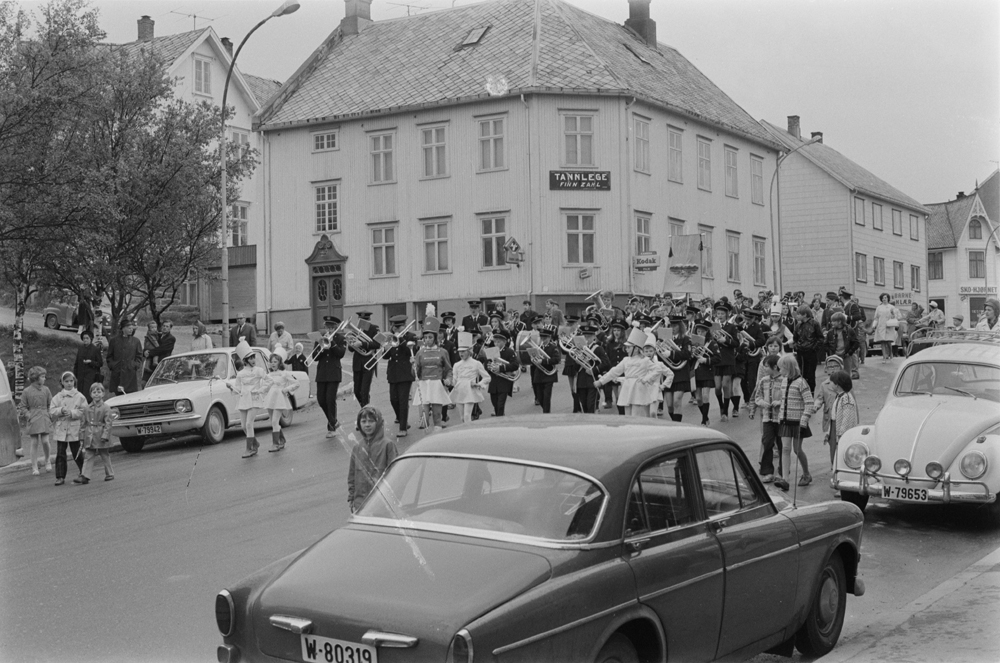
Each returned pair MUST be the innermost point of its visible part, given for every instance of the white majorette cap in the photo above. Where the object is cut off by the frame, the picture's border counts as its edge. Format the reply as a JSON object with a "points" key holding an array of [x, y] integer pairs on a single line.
{"points": [[776, 309], [465, 340], [637, 337], [281, 352], [650, 341], [243, 349]]}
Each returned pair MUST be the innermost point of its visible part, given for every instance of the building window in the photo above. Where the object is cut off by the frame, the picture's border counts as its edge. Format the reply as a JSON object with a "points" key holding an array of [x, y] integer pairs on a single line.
{"points": [[642, 145], [935, 266], [706, 252], [240, 138], [381, 151], [327, 199], [433, 143], [579, 239], [915, 277], [975, 229], [384, 251], [436, 247], [876, 216], [704, 164], [733, 253], [578, 134], [643, 240], [238, 223], [914, 227], [675, 171], [977, 264], [494, 237], [732, 186], [861, 268], [202, 76], [878, 266], [328, 140], [859, 211], [897, 275], [897, 222], [756, 180], [491, 154], [759, 262]]}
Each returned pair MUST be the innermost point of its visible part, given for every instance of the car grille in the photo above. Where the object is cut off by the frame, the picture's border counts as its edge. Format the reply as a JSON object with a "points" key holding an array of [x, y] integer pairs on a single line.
{"points": [[145, 410]]}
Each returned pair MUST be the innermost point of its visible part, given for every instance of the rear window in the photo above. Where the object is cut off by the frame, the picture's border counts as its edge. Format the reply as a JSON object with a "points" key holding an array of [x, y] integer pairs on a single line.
{"points": [[950, 378], [495, 497]]}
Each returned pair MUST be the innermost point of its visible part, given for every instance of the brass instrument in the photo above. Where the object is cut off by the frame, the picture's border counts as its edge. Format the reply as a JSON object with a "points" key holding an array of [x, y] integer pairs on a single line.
{"points": [[538, 355], [390, 341], [355, 336], [324, 342], [487, 332], [582, 355], [721, 335], [664, 348], [496, 366]]}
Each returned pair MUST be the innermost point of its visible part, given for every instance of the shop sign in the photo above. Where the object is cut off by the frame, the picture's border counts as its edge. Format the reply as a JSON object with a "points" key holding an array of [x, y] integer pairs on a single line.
{"points": [[579, 179], [646, 262], [977, 290], [902, 298]]}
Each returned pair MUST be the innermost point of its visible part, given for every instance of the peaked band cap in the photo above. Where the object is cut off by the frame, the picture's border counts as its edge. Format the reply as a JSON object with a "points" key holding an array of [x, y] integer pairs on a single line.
{"points": [[331, 320], [448, 314], [398, 319]]}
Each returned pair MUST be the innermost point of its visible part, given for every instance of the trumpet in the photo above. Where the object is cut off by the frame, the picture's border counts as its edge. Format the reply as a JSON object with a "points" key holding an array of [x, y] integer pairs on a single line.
{"points": [[392, 341], [324, 342], [538, 355], [355, 336]]}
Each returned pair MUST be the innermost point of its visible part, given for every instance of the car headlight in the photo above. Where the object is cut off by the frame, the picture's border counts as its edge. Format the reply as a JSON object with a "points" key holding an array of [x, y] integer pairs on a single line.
{"points": [[934, 470], [460, 650], [901, 467], [855, 455], [873, 463], [224, 611], [973, 465], [183, 405], [115, 414]]}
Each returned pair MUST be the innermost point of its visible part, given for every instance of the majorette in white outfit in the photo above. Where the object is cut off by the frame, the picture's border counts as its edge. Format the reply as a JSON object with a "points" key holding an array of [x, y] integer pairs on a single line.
{"points": [[248, 384], [639, 375]]}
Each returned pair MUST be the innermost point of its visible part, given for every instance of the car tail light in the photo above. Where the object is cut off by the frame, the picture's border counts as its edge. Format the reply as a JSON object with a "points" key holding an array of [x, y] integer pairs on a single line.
{"points": [[873, 463], [855, 455], [973, 465], [183, 405], [460, 650], [934, 470], [224, 612], [901, 467]]}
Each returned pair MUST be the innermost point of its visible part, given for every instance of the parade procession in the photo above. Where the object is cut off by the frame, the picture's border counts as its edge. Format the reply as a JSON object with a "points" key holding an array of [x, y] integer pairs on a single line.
{"points": [[537, 331]]}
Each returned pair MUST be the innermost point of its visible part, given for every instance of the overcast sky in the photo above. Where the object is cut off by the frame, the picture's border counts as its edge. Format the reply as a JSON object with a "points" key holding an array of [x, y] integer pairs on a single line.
{"points": [[909, 89]]}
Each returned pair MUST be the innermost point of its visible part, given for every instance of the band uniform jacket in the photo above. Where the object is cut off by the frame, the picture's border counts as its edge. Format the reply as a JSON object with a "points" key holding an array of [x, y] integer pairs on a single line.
{"points": [[550, 363], [499, 384], [364, 353], [328, 362], [449, 343], [682, 375], [399, 368], [615, 351], [584, 378], [727, 348], [470, 323]]}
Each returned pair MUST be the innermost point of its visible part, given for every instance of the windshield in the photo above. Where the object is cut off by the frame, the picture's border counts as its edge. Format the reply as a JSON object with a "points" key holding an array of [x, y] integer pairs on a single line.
{"points": [[189, 368], [487, 495], [951, 378]]}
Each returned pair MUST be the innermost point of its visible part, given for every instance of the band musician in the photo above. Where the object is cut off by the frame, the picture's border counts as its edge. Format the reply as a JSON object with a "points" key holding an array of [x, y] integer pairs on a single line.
{"points": [[329, 373], [587, 391], [503, 371], [363, 350], [399, 371]]}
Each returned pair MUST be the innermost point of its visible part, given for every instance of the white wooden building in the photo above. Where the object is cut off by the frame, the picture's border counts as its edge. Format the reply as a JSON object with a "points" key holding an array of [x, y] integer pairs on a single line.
{"points": [[403, 155]]}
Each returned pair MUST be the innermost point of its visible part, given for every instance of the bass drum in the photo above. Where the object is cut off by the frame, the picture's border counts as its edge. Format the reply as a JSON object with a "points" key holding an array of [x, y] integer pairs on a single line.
{"points": [[10, 430]]}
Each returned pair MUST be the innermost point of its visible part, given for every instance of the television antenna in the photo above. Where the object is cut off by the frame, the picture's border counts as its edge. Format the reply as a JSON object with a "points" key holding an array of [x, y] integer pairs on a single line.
{"points": [[408, 6], [194, 18]]}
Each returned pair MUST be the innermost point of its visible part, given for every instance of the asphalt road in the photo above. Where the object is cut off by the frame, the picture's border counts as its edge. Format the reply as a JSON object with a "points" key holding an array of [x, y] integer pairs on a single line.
{"points": [[128, 570]]}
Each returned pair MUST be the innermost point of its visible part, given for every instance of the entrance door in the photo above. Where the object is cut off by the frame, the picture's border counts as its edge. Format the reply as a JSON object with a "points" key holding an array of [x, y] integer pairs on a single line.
{"points": [[976, 306], [327, 292]]}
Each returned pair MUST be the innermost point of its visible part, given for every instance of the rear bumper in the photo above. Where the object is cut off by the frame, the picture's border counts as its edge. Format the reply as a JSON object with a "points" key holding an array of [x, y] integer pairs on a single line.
{"points": [[175, 425], [943, 490]]}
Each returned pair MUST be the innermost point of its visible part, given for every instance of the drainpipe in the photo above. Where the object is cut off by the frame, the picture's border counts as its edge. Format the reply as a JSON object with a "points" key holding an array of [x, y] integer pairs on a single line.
{"points": [[627, 177]]}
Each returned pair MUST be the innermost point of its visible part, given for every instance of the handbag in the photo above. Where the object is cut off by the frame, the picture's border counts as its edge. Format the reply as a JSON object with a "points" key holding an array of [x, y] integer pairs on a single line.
{"points": [[893, 323]]}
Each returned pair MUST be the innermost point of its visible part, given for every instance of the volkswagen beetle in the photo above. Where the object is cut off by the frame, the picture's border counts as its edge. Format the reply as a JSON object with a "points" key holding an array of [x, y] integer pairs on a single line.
{"points": [[557, 538]]}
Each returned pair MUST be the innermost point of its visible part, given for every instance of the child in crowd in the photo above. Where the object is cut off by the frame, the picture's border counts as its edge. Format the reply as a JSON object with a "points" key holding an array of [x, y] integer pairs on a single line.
{"points": [[297, 360], [34, 414], [248, 384], [826, 394], [468, 389], [795, 405], [67, 410], [96, 435], [277, 384], [845, 410], [764, 397], [369, 458]]}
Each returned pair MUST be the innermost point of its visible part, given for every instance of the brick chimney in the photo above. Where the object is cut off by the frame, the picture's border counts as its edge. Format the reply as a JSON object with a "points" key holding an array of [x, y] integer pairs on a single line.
{"points": [[819, 135], [961, 194], [228, 43], [145, 28], [357, 16], [639, 20], [793, 126]]}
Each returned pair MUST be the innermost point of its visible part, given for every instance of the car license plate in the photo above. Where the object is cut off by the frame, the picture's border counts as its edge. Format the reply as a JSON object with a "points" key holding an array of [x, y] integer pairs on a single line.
{"points": [[152, 429], [316, 648], [904, 493]]}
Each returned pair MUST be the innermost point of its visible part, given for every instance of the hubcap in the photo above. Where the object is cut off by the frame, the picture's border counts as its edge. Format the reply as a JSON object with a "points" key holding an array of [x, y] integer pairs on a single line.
{"points": [[829, 602], [215, 426]]}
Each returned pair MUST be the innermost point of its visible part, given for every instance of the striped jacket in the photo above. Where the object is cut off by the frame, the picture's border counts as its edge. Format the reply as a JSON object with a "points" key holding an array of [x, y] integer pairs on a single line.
{"points": [[796, 401]]}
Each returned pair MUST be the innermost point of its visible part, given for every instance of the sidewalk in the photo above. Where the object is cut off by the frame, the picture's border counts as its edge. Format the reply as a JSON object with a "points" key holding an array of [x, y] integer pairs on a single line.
{"points": [[955, 621]]}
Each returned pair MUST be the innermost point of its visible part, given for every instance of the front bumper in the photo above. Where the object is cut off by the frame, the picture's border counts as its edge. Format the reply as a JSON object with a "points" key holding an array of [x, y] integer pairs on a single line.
{"points": [[944, 490], [182, 423]]}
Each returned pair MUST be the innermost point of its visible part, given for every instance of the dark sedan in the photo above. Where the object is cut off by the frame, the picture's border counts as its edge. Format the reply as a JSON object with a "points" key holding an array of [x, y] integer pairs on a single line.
{"points": [[583, 538]]}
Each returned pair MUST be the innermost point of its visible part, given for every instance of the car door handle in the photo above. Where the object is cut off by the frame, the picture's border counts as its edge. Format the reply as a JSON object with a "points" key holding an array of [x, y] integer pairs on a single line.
{"points": [[293, 624], [391, 640], [636, 545]]}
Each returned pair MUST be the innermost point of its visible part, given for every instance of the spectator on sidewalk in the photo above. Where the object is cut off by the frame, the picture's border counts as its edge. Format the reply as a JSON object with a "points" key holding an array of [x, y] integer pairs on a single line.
{"points": [[124, 360], [67, 412], [282, 338], [369, 458], [242, 330], [36, 399], [87, 367], [96, 436], [201, 340]]}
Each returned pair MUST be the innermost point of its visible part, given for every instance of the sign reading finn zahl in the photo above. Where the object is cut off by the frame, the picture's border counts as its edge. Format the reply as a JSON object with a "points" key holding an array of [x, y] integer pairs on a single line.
{"points": [[579, 179]]}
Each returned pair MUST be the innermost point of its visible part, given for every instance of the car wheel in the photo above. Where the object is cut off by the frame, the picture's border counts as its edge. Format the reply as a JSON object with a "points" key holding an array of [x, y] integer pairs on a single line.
{"points": [[51, 321], [133, 445], [993, 513], [857, 499], [215, 426], [825, 620], [286, 418], [618, 649]]}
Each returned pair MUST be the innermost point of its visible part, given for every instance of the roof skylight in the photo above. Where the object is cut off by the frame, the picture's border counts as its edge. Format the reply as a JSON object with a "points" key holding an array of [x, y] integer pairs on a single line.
{"points": [[474, 36]]}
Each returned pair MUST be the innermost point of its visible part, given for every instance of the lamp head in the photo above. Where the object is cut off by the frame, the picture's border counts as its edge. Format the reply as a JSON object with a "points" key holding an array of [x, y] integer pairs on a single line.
{"points": [[287, 7]]}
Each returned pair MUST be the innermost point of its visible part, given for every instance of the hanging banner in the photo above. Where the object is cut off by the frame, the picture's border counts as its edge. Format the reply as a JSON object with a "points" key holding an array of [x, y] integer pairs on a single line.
{"points": [[684, 265]]}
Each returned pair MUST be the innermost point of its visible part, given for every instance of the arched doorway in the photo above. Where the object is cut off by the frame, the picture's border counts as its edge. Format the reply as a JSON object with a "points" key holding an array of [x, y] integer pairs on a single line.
{"points": [[326, 281]]}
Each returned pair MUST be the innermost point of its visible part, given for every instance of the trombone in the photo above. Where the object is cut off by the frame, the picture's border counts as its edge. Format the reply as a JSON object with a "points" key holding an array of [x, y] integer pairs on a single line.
{"points": [[392, 341], [324, 342], [538, 356]]}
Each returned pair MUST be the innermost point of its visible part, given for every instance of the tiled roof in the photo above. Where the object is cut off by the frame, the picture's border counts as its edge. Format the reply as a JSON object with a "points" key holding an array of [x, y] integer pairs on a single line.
{"points": [[413, 61], [168, 47], [262, 88], [843, 169], [947, 222], [989, 194]]}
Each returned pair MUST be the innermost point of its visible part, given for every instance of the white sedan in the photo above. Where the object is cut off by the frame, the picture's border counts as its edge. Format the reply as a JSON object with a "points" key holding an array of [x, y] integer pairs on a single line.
{"points": [[187, 394]]}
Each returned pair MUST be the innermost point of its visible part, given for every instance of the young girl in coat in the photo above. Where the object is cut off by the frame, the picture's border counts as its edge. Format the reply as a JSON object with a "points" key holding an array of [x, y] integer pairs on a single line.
{"points": [[96, 435], [795, 403], [67, 410], [277, 385], [470, 378], [845, 410], [639, 376], [248, 384], [34, 412], [369, 458]]}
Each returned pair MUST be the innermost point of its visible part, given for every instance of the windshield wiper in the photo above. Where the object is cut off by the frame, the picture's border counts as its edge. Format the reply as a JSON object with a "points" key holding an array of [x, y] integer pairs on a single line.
{"points": [[163, 377], [919, 393], [962, 391]]}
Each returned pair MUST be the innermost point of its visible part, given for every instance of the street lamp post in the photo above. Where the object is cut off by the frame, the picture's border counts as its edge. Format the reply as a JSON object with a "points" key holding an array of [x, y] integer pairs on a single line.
{"points": [[776, 230], [287, 7]]}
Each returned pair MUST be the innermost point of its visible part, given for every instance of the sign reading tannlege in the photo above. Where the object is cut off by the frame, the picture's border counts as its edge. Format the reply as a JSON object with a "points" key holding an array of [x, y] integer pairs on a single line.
{"points": [[579, 179]]}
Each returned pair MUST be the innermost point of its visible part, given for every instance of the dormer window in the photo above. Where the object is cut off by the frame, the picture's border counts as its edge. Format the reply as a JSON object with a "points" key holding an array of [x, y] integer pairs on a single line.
{"points": [[975, 229], [474, 36]]}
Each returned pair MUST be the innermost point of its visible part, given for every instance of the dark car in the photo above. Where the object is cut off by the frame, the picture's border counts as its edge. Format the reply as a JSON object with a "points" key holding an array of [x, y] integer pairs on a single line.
{"points": [[558, 538]]}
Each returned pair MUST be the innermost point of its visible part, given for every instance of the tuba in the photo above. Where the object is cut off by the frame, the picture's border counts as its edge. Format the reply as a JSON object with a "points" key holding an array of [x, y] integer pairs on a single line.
{"points": [[582, 355], [537, 355]]}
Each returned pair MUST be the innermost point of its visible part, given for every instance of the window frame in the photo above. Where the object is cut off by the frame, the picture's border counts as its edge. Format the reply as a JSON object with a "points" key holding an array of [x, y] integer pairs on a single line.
{"points": [[756, 180], [592, 115], [439, 151], [860, 267], [331, 227], [642, 159], [705, 160], [978, 226], [239, 225], [731, 157], [762, 501], [876, 218], [982, 254], [206, 70], [316, 135], [915, 227], [878, 270], [580, 232], [760, 242], [437, 240], [859, 204], [897, 216], [492, 139], [897, 270], [935, 265], [500, 257], [690, 487], [374, 154], [915, 277], [707, 251], [384, 245], [643, 235], [730, 264], [673, 150]]}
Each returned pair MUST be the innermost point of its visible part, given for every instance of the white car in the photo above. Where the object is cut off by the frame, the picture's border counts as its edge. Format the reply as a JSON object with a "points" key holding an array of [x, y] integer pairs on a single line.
{"points": [[187, 394], [937, 438]]}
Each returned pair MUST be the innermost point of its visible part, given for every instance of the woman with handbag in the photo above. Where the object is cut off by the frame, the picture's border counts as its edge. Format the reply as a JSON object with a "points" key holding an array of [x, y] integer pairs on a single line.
{"points": [[794, 408], [886, 325]]}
